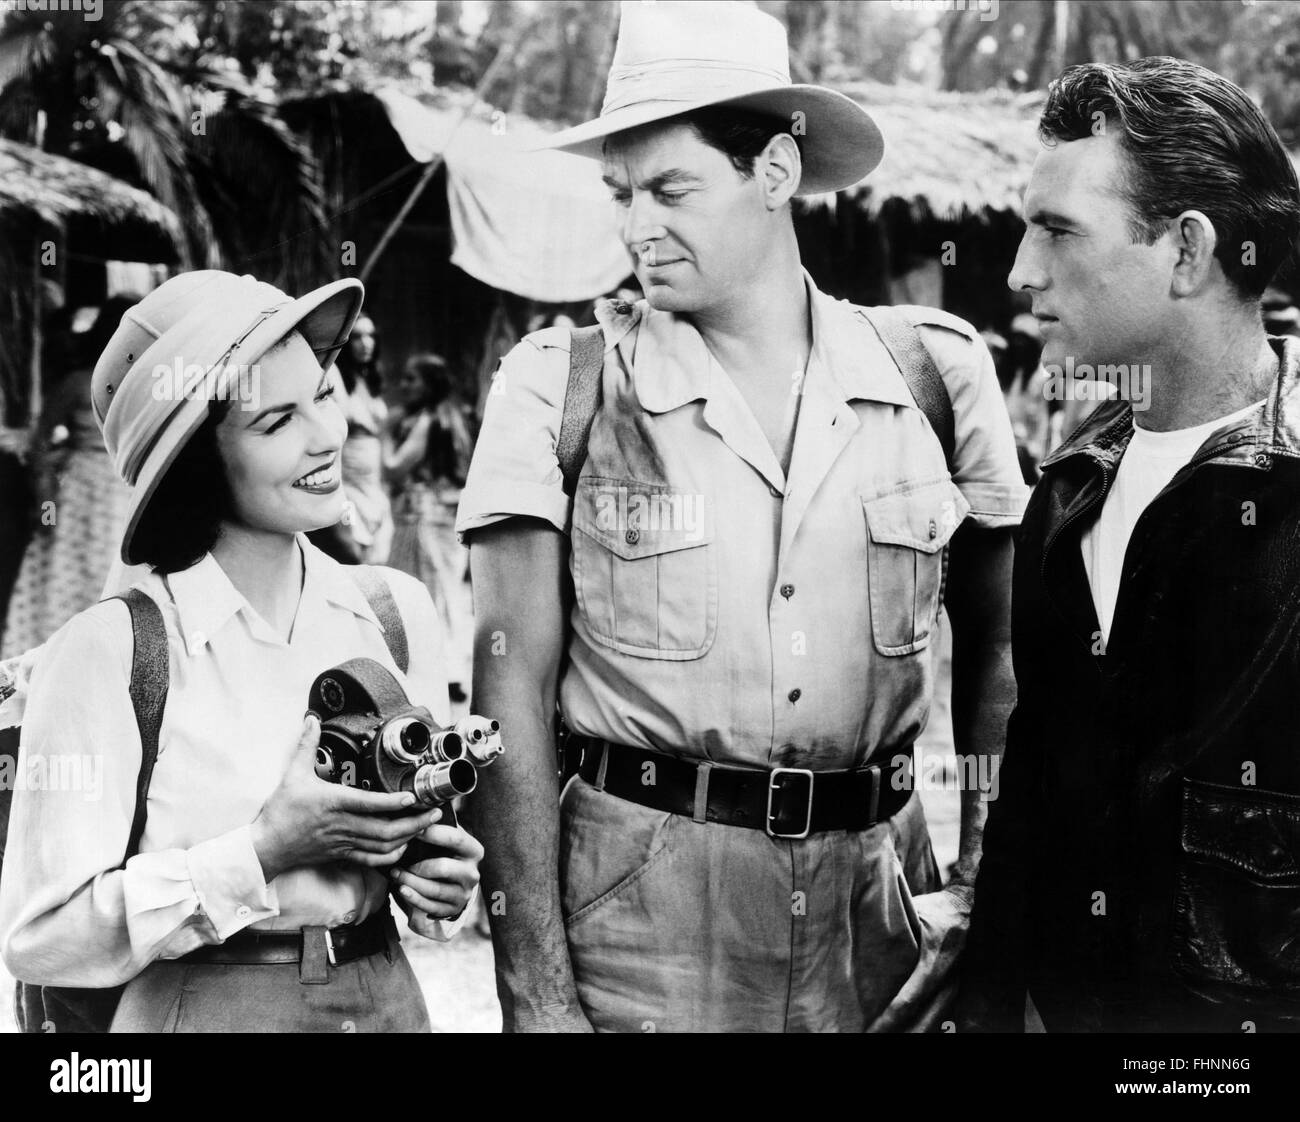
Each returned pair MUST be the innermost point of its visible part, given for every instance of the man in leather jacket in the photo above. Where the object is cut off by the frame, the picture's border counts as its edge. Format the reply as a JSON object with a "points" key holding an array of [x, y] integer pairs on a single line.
{"points": [[1141, 864]]}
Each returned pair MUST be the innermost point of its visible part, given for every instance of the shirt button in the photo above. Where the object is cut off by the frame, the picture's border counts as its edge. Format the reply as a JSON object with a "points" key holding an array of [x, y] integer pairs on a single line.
{"points": [[243, 911], [349, 917], [934, 530], [632, 536], [795, 695], [787, 590]]}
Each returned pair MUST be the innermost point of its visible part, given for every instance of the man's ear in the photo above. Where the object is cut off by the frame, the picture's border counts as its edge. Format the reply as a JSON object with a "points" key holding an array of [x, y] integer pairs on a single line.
{"points": [[779, 168], [1195, 239]]}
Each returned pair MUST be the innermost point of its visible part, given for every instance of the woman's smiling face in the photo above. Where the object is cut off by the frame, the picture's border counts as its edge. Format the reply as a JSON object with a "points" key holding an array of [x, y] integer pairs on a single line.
{"points": [[283, 460]]}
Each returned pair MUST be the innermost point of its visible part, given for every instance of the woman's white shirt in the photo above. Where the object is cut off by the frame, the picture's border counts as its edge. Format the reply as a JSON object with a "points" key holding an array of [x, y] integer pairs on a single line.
{"points": [[69, 915]]}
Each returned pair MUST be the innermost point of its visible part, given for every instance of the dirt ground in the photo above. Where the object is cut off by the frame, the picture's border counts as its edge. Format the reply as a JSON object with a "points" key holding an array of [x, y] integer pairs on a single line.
{"points": [[457, 977]]}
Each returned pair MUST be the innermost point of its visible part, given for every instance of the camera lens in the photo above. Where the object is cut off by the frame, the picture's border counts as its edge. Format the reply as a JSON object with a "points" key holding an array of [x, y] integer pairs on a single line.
{"points": [[447, 745], [405, 740], [442, 782], [415, 738]]}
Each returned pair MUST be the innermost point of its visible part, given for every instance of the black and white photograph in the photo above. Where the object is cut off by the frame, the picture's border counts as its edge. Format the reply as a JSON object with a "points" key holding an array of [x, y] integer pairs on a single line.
{"points": [[672, 516]]}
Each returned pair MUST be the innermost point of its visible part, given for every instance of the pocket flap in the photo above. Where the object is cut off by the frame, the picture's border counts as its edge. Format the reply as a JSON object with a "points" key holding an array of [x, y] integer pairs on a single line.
{"points": [[635, 520], [923, 517], [1257, 831]]}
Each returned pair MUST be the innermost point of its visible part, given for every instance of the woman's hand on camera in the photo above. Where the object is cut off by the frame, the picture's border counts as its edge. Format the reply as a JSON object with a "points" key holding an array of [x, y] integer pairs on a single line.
{"points": [[309, 821], [439, 887]]}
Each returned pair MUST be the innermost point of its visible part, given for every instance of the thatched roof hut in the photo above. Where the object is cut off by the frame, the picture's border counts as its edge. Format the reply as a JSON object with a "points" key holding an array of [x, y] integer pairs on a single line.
{"points": [[87, 216], [97, 212], [949, 156]]}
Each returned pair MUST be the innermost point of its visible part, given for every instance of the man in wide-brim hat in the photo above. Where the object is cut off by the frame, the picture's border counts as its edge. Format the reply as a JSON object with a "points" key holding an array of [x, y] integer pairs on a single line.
{"points": [[757, 541]]}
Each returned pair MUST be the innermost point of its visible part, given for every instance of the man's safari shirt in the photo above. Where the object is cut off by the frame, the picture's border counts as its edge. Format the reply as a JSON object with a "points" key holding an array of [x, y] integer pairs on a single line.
{"points": [[724, 611]]}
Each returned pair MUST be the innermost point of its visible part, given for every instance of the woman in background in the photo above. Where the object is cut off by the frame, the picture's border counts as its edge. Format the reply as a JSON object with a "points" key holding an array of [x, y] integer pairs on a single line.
{"points": [[365, 535], [427, 449], [81, 504]]}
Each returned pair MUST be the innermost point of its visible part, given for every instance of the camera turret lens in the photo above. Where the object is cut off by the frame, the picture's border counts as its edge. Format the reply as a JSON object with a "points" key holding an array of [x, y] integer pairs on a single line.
{"points": [[405, 740]]}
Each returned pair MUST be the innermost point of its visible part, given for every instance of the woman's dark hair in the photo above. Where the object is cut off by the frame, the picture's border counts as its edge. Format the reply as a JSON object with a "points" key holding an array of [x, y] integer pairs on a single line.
{"points": [[350, 369], [739, 134], [433, 374], [183, 519], [1193, 141]]}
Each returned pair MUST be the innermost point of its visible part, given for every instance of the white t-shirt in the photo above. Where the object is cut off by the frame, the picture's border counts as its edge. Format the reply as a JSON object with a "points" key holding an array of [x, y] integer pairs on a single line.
{"points": [[1151, 460]]}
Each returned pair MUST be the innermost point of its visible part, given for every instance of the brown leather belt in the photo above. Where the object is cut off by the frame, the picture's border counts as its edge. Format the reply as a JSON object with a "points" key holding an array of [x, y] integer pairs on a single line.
{"points": [[786, 802], [332, 945]]}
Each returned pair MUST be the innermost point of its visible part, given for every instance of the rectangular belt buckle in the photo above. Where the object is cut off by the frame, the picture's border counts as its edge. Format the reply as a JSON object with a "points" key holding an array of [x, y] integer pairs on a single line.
{"points": [[329, 947], [773, 786]]}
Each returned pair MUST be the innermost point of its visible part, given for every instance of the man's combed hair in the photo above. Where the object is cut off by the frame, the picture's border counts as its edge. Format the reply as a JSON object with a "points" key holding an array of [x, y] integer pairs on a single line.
{"points": [[1194, 141], [739, 134]]}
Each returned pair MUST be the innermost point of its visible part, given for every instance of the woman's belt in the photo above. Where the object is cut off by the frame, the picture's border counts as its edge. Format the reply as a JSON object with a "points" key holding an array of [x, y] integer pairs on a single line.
{"points": [[786, 802], [311, 947]]}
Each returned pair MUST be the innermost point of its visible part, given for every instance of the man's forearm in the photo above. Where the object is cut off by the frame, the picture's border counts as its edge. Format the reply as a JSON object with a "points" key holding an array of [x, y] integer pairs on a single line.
{"points": [[983, 696], [516, 817]]}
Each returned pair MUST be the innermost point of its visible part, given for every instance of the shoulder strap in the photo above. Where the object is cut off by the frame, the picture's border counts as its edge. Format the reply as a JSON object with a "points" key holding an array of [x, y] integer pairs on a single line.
{"points": [[380, 598], [581, 400], [922, 376], [149, 682]]}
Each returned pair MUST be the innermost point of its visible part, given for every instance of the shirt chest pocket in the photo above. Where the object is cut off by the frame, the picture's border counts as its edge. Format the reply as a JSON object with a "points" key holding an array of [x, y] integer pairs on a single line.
{"points": [[644, 568], [907, 531]]}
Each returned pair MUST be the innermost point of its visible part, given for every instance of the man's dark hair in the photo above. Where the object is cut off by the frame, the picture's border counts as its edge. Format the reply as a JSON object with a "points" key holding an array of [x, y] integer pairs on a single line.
{"points": [[739, 134], [183, 519], [1193, 141]]}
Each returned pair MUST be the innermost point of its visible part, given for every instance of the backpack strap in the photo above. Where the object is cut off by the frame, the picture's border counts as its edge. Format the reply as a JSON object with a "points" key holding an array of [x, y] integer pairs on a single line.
{"points": [[380, 598], [581, 400], [149, 682], [903, 342]]}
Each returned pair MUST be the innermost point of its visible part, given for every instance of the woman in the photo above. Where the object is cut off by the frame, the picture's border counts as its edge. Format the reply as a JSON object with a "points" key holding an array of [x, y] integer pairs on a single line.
{"points": [[251, 872], [365, 534], [426, 455]]}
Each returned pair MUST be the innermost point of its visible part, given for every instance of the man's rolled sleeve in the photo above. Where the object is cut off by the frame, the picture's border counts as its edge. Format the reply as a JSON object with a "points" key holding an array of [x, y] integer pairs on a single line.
{"points": [[985, 466], [515, 470]]}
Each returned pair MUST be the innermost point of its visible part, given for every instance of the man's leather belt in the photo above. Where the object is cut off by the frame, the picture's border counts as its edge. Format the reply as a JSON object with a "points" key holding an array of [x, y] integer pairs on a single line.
{"points": [[339, 944], [785, 802]]}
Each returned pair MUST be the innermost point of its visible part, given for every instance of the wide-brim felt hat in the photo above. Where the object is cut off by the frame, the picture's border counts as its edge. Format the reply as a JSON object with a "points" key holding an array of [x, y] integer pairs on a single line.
{"points": [[676, 56], [184, 346]]}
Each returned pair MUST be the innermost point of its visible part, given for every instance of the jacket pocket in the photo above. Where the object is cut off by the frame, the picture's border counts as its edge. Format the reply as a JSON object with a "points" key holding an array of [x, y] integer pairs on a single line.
{"points": [[644, 568], [907, 531], [1236, 925]]}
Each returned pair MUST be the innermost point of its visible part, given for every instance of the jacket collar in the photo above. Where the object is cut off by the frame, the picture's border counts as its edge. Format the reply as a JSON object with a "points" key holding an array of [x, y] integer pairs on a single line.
{"points": [[671, 363], [1272, 430], [206, 600]]}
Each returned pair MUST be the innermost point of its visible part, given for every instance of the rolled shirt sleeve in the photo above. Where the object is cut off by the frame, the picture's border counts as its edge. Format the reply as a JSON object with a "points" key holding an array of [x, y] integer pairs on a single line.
{"points": [[515, 470], [985, 466], [69, 913]]}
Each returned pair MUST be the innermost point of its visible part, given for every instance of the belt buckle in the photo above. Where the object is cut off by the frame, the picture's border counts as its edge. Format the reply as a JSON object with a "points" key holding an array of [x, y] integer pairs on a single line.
{"points": [[773, 786], [329, 947]]}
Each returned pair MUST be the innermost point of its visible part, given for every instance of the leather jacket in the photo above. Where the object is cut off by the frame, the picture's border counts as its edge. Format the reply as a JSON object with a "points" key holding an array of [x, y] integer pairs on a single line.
{"points": [[1141, 865]]}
